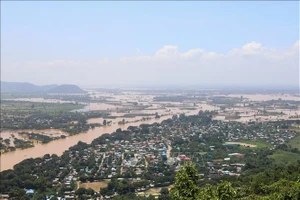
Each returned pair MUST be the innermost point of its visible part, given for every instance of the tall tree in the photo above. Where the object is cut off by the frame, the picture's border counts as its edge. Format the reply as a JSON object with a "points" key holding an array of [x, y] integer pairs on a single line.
{"points": [[186, 183]]}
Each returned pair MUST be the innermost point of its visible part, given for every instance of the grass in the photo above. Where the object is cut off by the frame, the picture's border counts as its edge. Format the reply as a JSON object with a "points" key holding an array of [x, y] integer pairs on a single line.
{"points": [[17, 107], [295, 142], [20, 95], [154, 191], [284, 157]]}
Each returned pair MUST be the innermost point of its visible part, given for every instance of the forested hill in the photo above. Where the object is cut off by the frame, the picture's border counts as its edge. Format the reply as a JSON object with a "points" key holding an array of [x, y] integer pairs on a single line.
{"points": [[29, 88]]}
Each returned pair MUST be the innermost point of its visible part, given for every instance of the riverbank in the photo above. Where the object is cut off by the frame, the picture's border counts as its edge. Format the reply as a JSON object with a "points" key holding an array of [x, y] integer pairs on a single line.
{"points": [[8, 160]]}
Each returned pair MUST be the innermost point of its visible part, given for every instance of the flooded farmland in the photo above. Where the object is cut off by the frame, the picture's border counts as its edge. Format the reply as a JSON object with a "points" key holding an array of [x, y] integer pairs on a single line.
{"points": [[139, 116], [133, 108]]}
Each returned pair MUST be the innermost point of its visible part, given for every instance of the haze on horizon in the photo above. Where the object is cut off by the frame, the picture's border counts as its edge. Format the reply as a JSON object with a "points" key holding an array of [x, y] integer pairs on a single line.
{"points": [[151, 43]]}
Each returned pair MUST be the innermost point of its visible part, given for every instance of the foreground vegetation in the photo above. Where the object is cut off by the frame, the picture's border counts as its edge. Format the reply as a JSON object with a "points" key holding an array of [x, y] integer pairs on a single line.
{"points": [[272, 184]]}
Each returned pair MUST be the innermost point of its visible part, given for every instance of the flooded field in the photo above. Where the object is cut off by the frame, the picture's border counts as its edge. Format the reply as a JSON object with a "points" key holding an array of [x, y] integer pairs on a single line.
{"points": [[9, 159], [134, 108], [266, 97], [97, 106], [250, 117]]}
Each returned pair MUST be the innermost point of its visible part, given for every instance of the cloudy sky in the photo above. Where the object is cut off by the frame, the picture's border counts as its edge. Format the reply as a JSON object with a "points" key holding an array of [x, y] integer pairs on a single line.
{"points": [[151, 43]]}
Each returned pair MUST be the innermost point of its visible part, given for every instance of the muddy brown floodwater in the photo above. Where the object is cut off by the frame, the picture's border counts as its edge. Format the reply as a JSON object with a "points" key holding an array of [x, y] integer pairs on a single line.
{"points": [[267, 97], [8, 160]]}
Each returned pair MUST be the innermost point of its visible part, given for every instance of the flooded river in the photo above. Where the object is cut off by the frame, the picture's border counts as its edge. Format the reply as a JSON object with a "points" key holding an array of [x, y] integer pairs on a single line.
{"points": [[8, 160]]}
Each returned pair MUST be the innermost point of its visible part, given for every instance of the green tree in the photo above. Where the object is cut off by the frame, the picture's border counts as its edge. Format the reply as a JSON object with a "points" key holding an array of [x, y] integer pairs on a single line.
{"points": [[225, 191], [186, 183], [186, 187], [164, 191], [83, 179], [81, 191], [90, 191]]}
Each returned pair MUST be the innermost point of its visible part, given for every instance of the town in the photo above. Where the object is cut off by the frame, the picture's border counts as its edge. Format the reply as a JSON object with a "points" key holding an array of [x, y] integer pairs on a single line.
{"points": [[144, 159]]}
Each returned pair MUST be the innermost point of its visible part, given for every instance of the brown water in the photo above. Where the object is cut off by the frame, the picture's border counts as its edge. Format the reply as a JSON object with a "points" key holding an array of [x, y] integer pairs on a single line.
{"points": [[8, 160], [97, 106], [11, 135], [247, 114], [266, 97]]}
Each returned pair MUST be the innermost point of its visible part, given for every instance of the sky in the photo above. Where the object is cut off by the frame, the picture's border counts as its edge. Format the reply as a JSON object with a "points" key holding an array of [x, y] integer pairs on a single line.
{"points": [[95, 43]]}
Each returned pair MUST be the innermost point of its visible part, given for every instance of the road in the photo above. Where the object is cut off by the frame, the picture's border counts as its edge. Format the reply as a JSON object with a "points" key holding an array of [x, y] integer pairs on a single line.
{"points": [[121, 170], [100, 166]]}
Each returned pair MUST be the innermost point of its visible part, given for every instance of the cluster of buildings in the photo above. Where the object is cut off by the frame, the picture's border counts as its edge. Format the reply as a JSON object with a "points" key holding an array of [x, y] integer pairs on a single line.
{"points": [[131, 153]]}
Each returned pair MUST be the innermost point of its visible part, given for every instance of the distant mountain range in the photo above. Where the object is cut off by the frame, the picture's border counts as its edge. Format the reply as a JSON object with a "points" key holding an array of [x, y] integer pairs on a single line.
{"points": [[16, 87]]}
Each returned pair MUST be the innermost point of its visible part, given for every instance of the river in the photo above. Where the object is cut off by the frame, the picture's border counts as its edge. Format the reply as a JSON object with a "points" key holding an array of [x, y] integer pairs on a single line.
{"points": [[9, 159]]}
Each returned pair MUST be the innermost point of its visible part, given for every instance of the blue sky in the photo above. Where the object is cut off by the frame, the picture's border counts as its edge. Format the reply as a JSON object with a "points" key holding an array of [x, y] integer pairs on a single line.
{"points": [[43, 31]]}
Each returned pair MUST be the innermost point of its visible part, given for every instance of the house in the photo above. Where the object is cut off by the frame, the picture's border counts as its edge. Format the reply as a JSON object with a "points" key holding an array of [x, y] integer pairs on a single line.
{"points": [[4, 196], [210, 164], [29, 191]]}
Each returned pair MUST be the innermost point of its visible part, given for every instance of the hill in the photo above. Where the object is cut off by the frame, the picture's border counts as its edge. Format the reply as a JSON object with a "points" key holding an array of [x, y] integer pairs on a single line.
{"points": [[29, 88], [66, 89]]}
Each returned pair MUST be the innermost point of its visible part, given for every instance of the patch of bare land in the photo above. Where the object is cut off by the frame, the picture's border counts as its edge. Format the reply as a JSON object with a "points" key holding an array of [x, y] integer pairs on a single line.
{"points": [[96, 186], [242, 144]]}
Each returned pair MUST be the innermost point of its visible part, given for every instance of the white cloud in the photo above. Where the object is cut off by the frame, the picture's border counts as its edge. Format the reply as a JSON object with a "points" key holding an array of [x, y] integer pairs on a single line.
{"points": [[252, 63], [192, 53], [167, 50]]}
